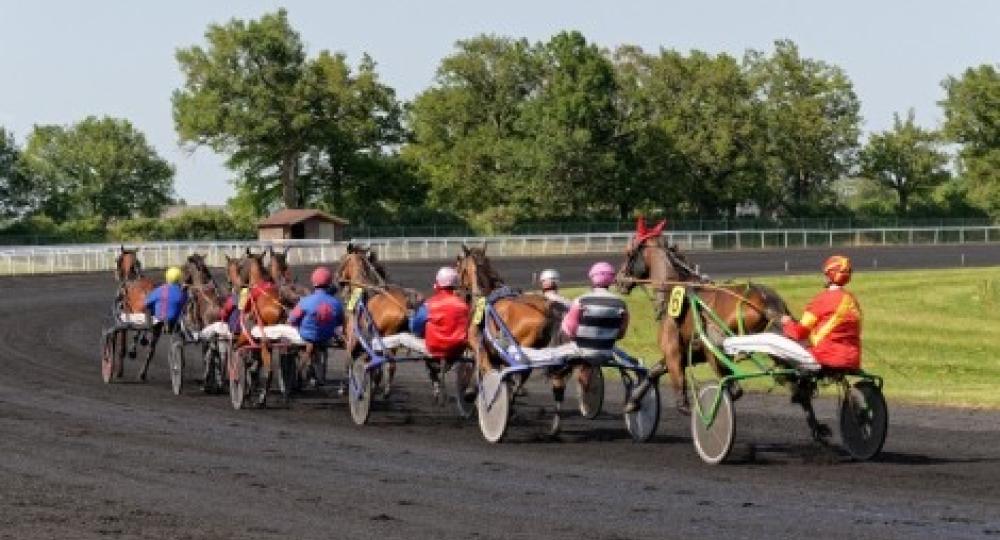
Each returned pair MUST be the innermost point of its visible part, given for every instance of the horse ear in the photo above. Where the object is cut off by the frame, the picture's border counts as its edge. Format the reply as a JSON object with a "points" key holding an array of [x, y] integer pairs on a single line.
{"points": [[248, 252]]}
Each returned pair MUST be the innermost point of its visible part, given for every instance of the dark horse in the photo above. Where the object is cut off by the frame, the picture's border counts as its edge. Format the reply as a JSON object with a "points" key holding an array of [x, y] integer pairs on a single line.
{"points": [[747, 308], [388, 304], [289, 291], [531, 318], [133, 288], [205, 295]]}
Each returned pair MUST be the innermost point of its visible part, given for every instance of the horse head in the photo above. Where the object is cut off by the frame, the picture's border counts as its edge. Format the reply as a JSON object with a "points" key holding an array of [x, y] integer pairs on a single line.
{"points": [[475, 271], [278, 263], [360, 265], [127, 265], [646, 257], [196, 271], [233, 273], [252, 269]]}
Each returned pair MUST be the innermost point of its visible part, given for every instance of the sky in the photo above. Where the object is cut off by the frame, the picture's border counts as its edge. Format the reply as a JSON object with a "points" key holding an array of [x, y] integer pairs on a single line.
{"points": [[61, 61]]}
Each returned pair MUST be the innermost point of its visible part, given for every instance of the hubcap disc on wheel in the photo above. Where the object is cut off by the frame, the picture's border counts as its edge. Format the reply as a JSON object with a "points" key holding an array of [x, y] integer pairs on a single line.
{"points": [[864, 421], [713, 442], [592, 399], [493, 405], [359, 390], [642, 424]]}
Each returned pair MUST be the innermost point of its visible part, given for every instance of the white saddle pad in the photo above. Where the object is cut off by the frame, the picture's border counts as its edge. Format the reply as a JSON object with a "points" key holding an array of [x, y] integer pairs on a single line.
{"points": [[138, 319], [559, 353], [774, 345], [278, 332], [403, 339], [215, 330]]}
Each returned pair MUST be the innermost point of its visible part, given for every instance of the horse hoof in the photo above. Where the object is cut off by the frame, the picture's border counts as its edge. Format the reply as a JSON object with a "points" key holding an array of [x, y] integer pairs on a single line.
{"points": [[387, 392], [631, 406], [735, 390], [684, 408], [132, 355], [469, 396], [822, 432]]}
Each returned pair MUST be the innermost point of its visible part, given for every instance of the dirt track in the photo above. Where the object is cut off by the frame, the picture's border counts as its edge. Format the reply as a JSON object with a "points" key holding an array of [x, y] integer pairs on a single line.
{"points": [[85, 460]]}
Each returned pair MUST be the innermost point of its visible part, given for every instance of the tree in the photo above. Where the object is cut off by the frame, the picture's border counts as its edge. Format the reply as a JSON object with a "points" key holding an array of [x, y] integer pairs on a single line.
{"points": [[810, 118], [291, 126], [906, 159], [972, 119], [12, 185], [98, 168]]}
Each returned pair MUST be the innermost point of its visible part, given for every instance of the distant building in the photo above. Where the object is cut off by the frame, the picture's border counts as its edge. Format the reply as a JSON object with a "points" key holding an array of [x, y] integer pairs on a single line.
{"points": [[178, 209], [301, 224]]}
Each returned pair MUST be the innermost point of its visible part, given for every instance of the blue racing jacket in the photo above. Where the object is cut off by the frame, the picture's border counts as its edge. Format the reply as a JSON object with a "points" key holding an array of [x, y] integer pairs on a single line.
{"points": [[317, 316], [418, 322], [166, 302]]}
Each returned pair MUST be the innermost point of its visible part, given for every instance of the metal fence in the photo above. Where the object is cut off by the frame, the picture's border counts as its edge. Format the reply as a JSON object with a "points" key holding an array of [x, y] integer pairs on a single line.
{"points": [[18, 260]]}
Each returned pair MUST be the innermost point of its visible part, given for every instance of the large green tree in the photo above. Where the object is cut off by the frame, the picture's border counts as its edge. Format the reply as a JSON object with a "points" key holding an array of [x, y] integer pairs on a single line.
{"points": [[12, 185], [907, 159], [296, 129], [972, 119], [810, 119], [98, 168]]}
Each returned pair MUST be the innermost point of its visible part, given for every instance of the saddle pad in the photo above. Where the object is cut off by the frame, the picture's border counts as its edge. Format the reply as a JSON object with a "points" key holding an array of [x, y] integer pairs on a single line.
{"points": [[215, 330], [404, 339], [278, 332], [774, 345], [138, 319]]}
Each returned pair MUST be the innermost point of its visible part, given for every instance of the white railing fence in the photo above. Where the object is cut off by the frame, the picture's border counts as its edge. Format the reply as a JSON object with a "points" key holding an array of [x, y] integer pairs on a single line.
{"points": [[17, 260]]}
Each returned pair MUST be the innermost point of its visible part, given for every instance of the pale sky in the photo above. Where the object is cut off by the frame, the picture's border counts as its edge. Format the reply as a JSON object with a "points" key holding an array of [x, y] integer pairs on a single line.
{"points": [[63, 60]]}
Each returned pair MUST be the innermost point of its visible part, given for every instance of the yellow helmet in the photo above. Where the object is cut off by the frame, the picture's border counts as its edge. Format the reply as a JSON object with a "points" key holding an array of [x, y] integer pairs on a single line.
{"points": [[174, 275]]}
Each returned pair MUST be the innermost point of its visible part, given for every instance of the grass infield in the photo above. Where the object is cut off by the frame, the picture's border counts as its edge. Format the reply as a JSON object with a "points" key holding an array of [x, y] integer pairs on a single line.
{"points": [[934, 335]]}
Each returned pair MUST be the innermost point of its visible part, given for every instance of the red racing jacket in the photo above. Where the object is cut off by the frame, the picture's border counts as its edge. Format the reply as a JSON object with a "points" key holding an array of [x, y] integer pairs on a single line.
{"points": [[447, 329], [832, 323]]}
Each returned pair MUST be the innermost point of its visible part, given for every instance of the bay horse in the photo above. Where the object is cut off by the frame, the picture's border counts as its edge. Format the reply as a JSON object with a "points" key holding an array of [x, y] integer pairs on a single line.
{"points": [[744, 308], [263, 308], [531, 318], [389, 304], [206, 298], [289, 291], [133, 288]]}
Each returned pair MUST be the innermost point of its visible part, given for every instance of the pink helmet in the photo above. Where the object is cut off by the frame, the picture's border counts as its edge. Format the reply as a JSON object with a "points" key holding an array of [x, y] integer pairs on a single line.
{"points": [[446, 278], [602, 274], [321, 277]]}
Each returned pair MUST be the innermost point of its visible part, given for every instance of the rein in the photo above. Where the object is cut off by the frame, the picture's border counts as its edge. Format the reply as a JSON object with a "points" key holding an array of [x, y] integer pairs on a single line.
{"points": [[664, 285]]}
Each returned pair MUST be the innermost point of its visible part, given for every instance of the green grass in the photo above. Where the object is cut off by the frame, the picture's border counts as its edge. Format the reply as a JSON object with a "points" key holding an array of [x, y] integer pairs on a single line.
{"points": [[934, 335]]}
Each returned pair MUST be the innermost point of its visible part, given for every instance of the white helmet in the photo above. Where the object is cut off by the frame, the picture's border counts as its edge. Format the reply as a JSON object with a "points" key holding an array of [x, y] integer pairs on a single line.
{"points": [[549, 275], [446, 277]]}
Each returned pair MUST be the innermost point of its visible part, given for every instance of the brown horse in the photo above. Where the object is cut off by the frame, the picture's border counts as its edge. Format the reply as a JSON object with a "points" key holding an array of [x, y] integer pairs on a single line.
{"points": [[747, 308], [133, 288], [531, 319], [388, 304], [289, 291], [263, 308]]}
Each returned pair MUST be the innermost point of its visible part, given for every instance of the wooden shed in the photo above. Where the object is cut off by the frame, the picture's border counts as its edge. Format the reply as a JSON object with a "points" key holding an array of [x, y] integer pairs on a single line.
{"points": [[301, 224]]}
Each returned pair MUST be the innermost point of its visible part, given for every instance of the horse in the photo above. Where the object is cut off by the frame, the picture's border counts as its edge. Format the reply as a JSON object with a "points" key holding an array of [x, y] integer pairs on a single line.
{"points": [[744, 308], [531, 318], [389, 305], [133, 288], [289, 291], [205, 302], [263, 308]]}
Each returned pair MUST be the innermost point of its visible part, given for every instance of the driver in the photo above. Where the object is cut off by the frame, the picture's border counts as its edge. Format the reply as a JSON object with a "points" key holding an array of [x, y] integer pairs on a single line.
{"points": [[166, 302], [549, 280], [317, 317]]}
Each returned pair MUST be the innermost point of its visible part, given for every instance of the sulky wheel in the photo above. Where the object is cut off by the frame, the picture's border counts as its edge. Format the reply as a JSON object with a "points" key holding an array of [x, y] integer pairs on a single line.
{"points": [[592, 399], [109, 357], [175, 359], [493, 405], [213, 370], [864, 420], [642, 423], [464, 376], [359, 388], [238, 379], [713, 431], [288, 375]]}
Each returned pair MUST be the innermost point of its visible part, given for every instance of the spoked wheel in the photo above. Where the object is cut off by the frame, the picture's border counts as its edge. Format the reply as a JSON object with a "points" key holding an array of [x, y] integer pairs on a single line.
{"points": [[465, 378], [592, 399], [493, 406], [864, 420], [175, 358], [213, 370], [642, 423], [238, 379], [359, 388], [109, 357], [713, 434]]}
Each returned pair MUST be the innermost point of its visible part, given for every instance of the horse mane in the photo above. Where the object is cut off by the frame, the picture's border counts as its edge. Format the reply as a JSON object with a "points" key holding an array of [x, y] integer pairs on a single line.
{"points": [[485, 273]]}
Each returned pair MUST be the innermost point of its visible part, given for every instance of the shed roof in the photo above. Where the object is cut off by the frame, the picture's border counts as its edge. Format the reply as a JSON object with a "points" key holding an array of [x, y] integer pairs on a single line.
{"points": [[288, 217]]}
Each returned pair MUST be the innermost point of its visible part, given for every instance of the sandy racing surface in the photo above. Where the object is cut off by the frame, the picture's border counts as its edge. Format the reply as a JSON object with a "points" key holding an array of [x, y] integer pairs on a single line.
{"points": [[86, 460]]}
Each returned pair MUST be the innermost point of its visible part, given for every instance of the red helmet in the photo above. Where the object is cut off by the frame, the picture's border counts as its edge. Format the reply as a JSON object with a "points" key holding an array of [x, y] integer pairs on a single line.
{"points": [[321, 277], [837, 269]]}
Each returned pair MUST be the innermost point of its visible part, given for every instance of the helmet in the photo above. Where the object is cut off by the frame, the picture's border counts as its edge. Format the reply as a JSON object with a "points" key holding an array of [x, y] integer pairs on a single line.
{"points": [[602, 274], [446, 278], [321, 277], [549, 275], [837, 269], [174, 275]]}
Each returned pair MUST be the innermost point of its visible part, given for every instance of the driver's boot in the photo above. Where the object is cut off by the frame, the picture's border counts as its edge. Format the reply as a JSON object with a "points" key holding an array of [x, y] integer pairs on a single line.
{"points": [[632, 405]]}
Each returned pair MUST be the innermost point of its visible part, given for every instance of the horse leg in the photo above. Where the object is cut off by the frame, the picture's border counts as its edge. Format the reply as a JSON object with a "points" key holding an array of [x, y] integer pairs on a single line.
{"points": [[121, 340], [434, 370], [671, 363], [803, 395], [387, 390], [156, 331], [558, 379], [265, 374]]}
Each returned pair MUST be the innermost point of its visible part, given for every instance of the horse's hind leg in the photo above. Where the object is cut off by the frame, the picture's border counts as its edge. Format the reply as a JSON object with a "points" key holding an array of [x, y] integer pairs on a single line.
{"points": [[558, 379], [803, 395], [387, 390], [156, 331]]}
